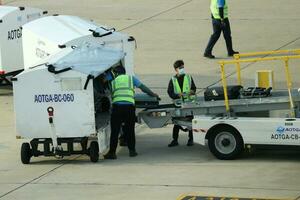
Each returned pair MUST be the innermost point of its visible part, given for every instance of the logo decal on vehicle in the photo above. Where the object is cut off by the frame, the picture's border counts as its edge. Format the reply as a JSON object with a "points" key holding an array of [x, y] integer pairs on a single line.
{"points": [[280, 129], [286, 133]]}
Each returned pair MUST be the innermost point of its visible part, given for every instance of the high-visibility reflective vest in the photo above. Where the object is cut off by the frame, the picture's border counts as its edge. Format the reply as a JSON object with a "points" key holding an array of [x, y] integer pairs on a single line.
{"points": [[123, 89], [215, 9], [186, 87]]}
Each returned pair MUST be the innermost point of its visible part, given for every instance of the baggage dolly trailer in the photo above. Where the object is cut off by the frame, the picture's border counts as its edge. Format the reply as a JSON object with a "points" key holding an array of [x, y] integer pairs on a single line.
{"points": [[65, 102], [81, 100], [63, 106]]}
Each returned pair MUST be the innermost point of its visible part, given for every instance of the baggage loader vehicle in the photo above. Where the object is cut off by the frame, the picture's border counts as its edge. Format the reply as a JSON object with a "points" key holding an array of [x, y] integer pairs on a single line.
{"points": [[229, 125]]}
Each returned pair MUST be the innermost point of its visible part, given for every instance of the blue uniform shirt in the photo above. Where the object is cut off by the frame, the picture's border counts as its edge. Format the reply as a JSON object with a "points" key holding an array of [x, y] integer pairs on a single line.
{"points": [[221, 3]]}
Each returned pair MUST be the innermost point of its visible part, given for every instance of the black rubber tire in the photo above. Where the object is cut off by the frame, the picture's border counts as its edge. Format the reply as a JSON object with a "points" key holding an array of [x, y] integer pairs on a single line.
{"points": [[26, 153], [94, 151], [237, 150]]}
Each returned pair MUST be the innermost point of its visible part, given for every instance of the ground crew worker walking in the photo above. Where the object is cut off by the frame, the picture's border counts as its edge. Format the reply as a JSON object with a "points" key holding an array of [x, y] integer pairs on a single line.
{"points": [[123, 110], [181, 86], [220, 22]]}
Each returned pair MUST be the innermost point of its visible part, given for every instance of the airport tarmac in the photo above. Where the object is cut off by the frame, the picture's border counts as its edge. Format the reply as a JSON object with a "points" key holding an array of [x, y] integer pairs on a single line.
{"points": [[165, 31]]}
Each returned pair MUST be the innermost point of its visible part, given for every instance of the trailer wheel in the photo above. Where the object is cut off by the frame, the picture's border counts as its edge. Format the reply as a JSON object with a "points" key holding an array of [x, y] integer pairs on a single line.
{"points": [[26, 153], [225, 143], [94, 151]]}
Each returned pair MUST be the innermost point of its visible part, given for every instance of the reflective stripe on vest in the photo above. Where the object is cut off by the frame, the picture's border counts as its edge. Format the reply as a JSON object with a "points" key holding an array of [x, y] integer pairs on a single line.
{"points": [[186, 87], [215, 9], [122, 89]]}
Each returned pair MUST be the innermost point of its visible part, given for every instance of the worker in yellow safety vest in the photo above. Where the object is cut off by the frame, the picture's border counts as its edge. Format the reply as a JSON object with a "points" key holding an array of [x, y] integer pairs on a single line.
{"points": [[220, 22], [181, 87], [123, 109]]}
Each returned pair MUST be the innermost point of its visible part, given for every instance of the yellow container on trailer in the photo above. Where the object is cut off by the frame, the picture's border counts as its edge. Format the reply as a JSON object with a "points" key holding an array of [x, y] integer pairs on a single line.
{"points": [[264, 78]]}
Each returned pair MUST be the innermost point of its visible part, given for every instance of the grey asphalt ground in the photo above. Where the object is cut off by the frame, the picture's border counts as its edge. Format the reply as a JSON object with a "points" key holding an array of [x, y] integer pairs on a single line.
{"points": [[165, 31]]}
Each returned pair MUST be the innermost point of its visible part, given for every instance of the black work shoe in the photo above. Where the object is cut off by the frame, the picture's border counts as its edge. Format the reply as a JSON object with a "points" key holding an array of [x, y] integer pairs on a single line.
{"points": [[209, 55], [173, 143], [133, 153], [111, 156], [232, 53], [190, 143]]}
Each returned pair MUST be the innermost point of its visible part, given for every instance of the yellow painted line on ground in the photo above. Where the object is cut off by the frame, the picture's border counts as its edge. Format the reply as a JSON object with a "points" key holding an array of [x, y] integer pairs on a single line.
{"points": [[199, 197]]}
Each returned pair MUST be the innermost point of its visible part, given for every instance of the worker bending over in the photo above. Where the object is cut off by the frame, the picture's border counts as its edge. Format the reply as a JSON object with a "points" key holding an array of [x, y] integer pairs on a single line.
{"points": [[123, 109], [181, 86]]}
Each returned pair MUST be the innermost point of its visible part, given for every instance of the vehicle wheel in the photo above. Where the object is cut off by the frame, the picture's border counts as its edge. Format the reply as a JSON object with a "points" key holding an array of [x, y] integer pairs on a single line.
{"points": [[26, 153], [225, 143], [94, 151]]}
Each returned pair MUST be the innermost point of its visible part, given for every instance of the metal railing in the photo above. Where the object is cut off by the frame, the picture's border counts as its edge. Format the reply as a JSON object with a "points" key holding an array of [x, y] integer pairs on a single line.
{"points": [[237, 61], [261, 53]]}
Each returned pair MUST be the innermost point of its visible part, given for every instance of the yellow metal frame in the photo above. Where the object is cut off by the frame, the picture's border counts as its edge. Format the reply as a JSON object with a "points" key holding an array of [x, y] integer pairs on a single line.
{"points": [[237, 62], [261, 53]]}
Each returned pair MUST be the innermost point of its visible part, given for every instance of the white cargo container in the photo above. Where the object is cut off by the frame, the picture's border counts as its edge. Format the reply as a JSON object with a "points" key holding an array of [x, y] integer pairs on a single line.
{"points": [[49, 35], [11, 51], [65, 101]]}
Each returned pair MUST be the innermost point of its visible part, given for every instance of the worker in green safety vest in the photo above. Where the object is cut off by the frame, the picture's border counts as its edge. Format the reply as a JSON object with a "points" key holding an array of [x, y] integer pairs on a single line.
{"points": [[123, 109], [220, 22], [181, 87]]}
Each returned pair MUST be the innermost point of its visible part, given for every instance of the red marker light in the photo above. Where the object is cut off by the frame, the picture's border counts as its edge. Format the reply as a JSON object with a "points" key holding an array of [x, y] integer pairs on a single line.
{"points": [[2, 72], [50, 111]]}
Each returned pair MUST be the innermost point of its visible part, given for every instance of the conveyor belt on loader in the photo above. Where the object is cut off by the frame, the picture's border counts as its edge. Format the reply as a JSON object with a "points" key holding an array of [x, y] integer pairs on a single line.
{"points": [[163, 114]]}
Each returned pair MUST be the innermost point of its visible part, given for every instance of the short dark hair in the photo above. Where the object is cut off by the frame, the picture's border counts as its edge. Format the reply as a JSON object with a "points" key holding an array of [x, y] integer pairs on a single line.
{"points": [[119, 70], [178, 63]]}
